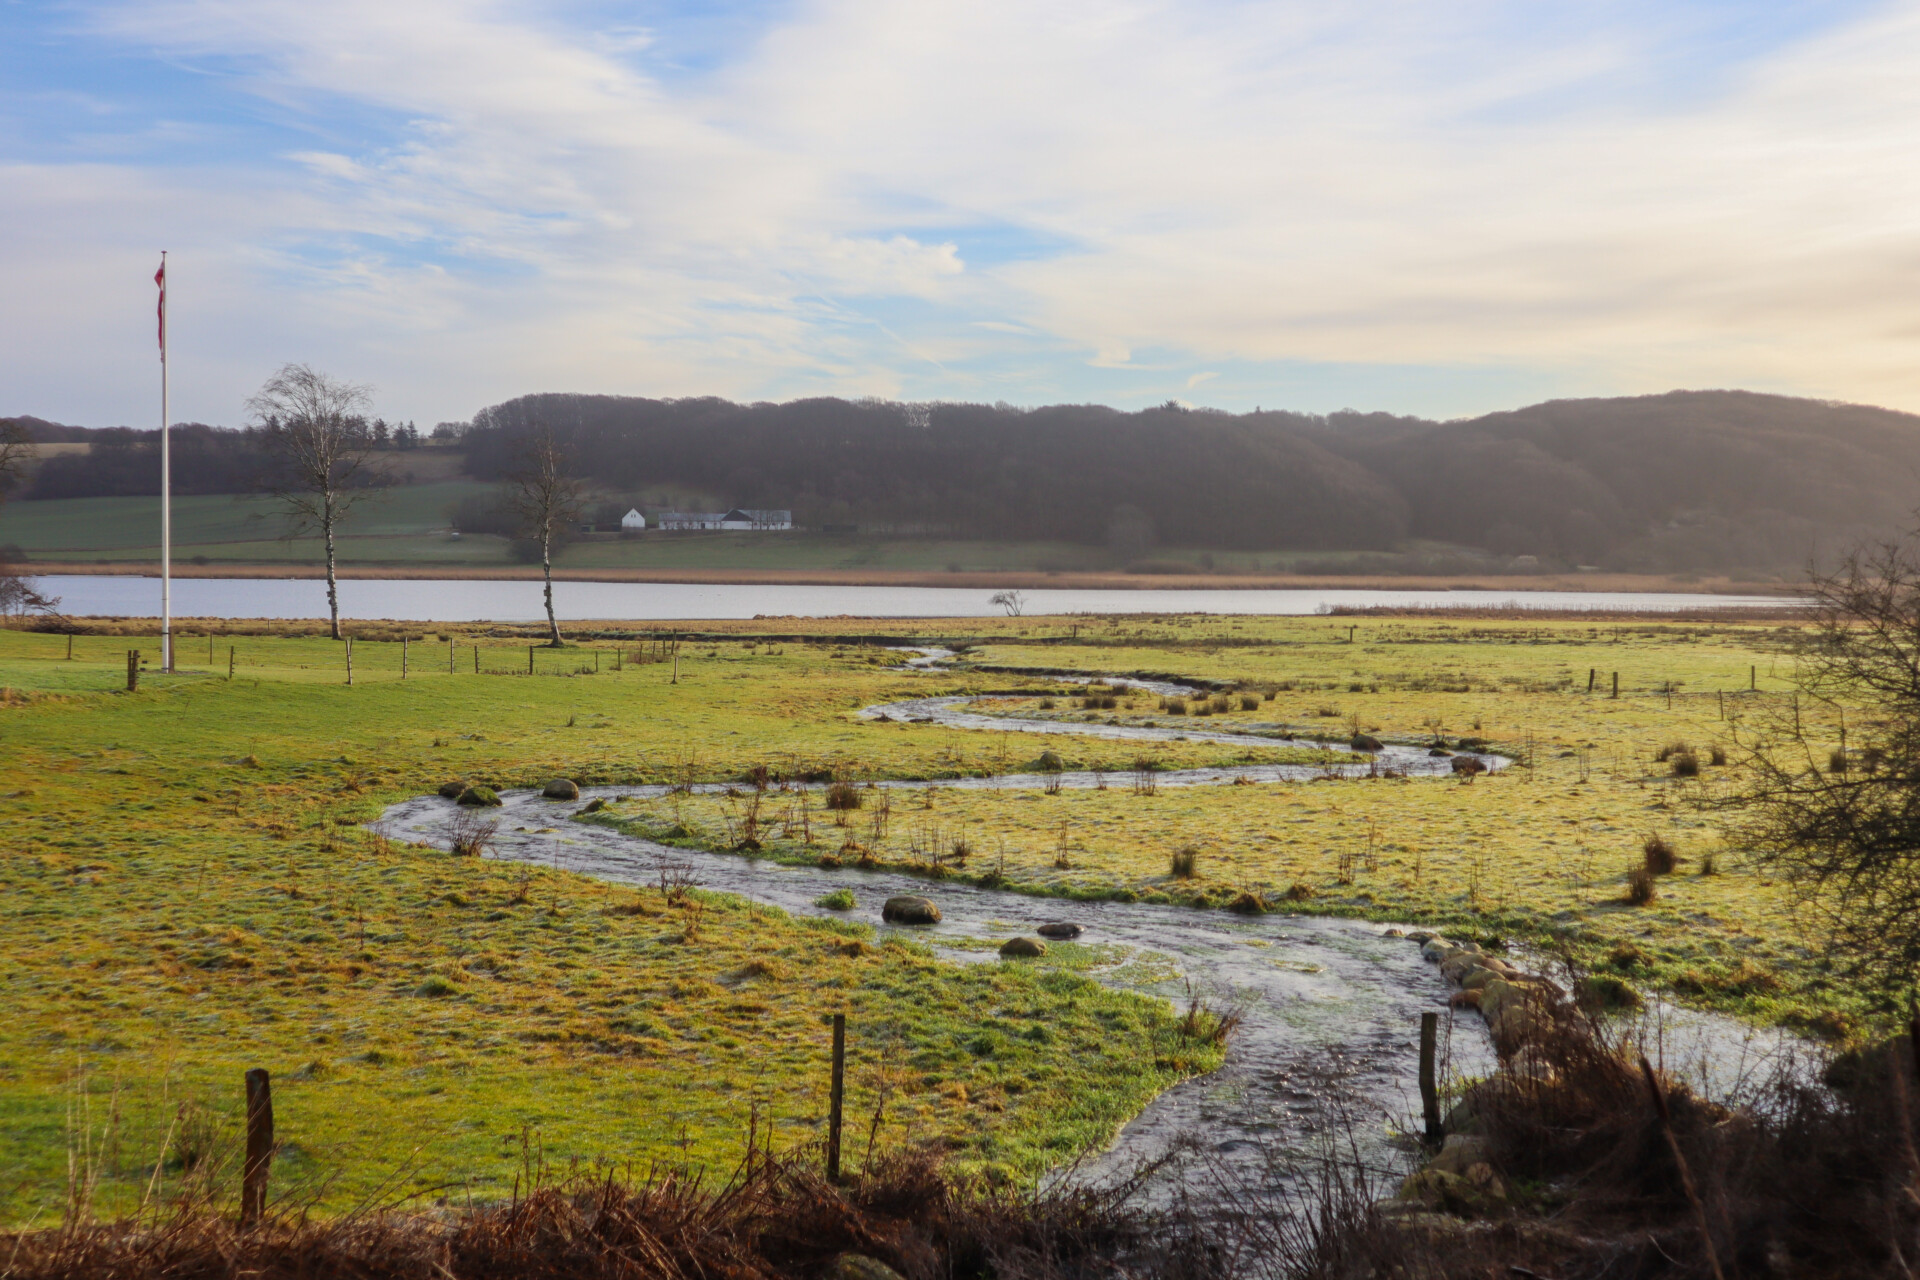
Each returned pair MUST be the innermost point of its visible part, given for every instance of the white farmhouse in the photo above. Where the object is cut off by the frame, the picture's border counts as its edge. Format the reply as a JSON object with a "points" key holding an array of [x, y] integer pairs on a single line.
{"points": [[633, 521], [738, 519]]}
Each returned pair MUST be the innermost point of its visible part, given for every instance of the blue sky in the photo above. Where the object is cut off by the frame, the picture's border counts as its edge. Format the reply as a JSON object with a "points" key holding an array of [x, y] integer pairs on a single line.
{"points": [[1418, 208]]}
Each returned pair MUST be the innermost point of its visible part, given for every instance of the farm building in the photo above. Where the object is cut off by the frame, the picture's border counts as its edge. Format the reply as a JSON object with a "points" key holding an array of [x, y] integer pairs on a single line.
{"points": [[739, 518], [632, 521]]}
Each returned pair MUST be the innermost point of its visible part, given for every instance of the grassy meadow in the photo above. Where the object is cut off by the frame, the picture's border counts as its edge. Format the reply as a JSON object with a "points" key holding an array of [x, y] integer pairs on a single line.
{"points": [[187, 891]]}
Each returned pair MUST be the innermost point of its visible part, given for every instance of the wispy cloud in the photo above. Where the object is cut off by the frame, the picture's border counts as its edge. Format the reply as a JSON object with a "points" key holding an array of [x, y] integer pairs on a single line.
{"points": [[461, 202]]}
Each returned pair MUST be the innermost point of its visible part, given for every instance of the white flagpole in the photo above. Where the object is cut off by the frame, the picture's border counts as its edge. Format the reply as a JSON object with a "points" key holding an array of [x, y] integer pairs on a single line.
{"points": [[166, 493]]}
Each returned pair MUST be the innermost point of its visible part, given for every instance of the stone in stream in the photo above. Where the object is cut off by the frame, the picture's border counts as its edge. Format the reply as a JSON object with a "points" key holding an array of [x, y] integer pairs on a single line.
{"points": [[909, 909], [562, 789], [452, 790], [1060, 930], [1469, 765], [1365, 742], [479, 797], [1028, 948]]}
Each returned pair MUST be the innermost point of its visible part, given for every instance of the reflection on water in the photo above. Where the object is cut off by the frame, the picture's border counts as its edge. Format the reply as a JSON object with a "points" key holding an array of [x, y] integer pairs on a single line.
{"points": [[446, 600]]}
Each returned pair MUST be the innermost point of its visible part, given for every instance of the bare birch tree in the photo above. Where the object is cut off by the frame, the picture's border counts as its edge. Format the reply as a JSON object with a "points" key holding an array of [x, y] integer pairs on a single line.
{"points": [[546, 499], [322, 454]]}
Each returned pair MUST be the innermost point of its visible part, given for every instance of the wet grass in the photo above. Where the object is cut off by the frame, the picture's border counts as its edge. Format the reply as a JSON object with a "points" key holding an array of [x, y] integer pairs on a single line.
{"points": [[186, 893]]}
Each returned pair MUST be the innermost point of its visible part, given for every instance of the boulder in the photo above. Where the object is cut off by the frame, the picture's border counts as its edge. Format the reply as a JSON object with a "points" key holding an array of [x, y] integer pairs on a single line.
{"points": [[561, 789], [1461, 1152], [1365, 742], [1249, 904], [910, 909], [1023, 948], [452, 790], [479, 797], [1434, 947], [1060, 931], [1468, 765], [1049, 762], [1439, 752], [1422, 936]]}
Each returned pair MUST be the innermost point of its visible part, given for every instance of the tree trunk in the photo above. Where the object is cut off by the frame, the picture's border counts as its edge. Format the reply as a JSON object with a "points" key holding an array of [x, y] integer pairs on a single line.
{"points": [[333, 587], [546, 566]]}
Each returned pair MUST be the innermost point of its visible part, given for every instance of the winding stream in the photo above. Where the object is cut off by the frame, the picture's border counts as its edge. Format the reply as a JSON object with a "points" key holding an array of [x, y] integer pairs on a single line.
{"points": [[1327, 1051]]}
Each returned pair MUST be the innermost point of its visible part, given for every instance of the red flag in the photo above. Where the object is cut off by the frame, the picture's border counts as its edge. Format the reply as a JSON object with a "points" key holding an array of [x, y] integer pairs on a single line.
{"points": [[160, 278]]}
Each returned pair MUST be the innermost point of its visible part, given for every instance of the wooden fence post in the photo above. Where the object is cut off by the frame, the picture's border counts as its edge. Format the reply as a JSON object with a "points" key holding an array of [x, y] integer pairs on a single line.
{"points": [[253, 1175], [349, 659], [209, 648], [403, 657], [1616, 684], [451, 646], [529, 659], [133, 670], [1592, 672], [69, 646], [1429, 1090], [476, 658], [230, 649], [836, 1096], [1753, 678]]}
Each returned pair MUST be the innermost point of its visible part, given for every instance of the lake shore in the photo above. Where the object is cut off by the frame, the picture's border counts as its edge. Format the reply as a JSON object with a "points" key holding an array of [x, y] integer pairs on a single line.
{"points": [[1024, 580]]}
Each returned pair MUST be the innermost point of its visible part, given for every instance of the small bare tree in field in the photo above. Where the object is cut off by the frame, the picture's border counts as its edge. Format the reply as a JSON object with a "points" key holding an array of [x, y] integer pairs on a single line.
{"points": [[546, 499], [1013, 602], [322, 454]]}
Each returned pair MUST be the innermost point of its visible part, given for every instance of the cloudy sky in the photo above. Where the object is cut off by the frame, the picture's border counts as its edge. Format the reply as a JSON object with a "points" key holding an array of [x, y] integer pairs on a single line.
{"points": [[1428, 208]]}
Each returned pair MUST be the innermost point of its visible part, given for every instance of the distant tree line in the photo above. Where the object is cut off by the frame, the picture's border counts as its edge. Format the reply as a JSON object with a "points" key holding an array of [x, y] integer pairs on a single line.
{"points": [[124, 462], [1687, 481]]}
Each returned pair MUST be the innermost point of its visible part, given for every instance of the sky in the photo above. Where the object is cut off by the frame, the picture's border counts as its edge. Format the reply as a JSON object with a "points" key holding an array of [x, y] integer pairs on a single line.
{"points": [[1431, 209]]}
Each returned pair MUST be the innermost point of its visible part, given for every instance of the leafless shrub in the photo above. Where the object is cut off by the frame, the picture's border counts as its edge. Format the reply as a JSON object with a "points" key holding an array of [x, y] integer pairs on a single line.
{"points": [[471, 835]]}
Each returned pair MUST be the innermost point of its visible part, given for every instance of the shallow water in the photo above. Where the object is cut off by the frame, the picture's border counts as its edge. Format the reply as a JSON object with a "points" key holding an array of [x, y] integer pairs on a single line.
{"points": [[1332, 1007], [1326, 1058]]}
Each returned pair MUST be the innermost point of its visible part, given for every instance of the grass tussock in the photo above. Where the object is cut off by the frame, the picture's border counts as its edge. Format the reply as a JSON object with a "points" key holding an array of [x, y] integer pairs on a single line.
{"points": [[1660, 856], [1185, 863]]}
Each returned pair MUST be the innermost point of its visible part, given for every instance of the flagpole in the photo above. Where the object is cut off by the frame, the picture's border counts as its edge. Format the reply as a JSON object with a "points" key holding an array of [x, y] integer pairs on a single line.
{"points": [[166, 492]]}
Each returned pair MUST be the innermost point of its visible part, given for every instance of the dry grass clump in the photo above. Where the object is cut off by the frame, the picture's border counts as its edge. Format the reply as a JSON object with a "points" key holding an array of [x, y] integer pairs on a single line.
{"points": [[1185, 863], [1684, 765], [1642, 890], [775, 1218], [1661, 857], [843, 796]]}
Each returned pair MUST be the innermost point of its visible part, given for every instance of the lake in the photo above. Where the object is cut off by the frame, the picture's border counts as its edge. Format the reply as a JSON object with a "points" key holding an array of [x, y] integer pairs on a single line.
{"points": [[456, 600]]}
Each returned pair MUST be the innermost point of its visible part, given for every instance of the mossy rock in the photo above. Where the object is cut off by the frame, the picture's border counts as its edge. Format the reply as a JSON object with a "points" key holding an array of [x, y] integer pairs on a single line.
{"points": [[1248, 904], [1060, 930], [453, 790], [1023, 948], [561, 789], [1049, 762], [1365, 742], [910, 909], [479, 797], [595, 805]]}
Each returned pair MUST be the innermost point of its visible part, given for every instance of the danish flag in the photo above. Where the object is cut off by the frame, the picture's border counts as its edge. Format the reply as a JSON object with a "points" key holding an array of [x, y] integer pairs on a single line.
{"points": [[160, 278]]}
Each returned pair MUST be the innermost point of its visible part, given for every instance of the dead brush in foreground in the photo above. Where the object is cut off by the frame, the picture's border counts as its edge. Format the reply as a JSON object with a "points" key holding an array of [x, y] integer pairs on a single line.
{"points": [[775, 1218]]}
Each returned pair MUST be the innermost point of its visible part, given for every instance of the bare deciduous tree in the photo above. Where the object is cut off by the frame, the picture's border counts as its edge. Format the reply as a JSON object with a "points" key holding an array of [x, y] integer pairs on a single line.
{"points": [[546, 499], [1833, 805], [322, 453], [1013, 602]]}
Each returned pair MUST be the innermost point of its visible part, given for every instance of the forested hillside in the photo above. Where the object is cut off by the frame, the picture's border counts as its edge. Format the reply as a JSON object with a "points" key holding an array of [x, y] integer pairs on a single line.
{"points": [[1706, 480]]}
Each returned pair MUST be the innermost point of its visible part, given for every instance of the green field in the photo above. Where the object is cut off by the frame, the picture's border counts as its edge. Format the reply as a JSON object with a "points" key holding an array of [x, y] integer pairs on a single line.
{"points": [[186, 890], [408, 526]]}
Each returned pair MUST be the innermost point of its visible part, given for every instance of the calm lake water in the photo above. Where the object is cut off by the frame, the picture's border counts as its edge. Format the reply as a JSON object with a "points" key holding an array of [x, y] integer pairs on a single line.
{"points": [[452, 600]]}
